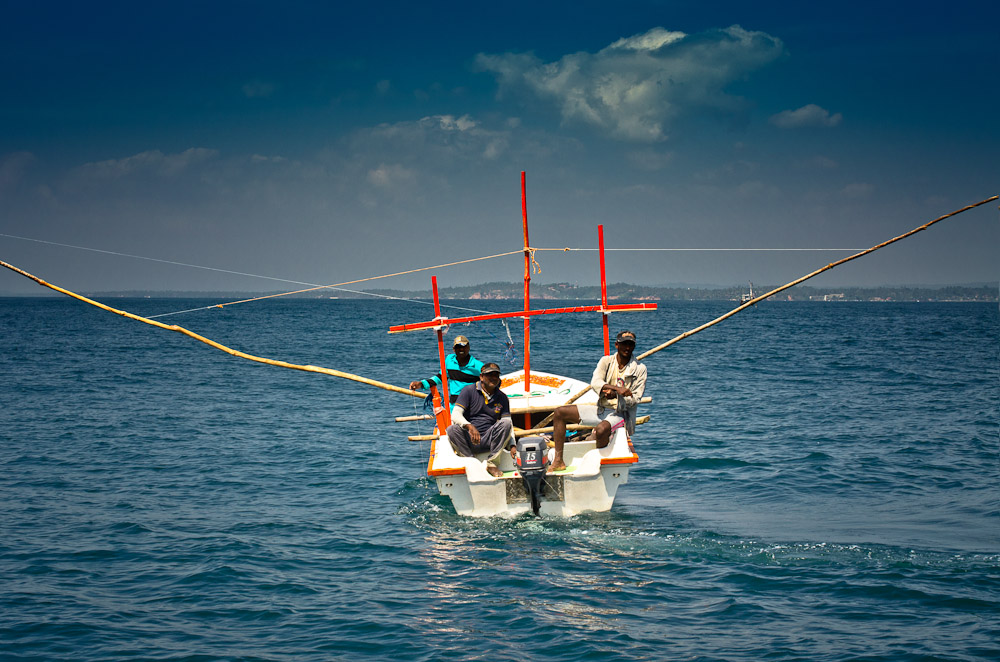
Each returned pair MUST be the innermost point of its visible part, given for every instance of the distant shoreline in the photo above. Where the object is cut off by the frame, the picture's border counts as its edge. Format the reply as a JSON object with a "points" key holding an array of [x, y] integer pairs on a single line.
{"points": [[616, 292]]}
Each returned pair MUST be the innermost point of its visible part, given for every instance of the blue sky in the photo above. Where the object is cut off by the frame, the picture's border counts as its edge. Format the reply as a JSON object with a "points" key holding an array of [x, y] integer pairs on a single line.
{"points": [[325, 143]]}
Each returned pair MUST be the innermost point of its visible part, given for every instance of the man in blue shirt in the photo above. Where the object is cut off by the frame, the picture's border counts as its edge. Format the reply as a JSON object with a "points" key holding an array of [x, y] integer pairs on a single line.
{"points": [[463, 369], [481, 419]]}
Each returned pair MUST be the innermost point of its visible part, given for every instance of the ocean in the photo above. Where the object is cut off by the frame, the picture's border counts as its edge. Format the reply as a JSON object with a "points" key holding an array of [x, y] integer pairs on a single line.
{"points": [[818, 481]]}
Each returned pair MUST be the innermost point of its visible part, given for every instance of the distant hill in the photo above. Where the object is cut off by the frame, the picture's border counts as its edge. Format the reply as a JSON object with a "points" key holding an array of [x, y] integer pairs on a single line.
{"points": [[625, 292]]}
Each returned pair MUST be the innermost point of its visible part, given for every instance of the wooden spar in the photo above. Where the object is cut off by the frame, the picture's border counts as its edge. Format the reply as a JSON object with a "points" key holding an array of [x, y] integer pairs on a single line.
{"points": [[572, 426], [212, 343], [527, 295], [577, 396], [533, 431], [445, 398], [751, 302], [604, 291], [513, 410], [623, 307]]}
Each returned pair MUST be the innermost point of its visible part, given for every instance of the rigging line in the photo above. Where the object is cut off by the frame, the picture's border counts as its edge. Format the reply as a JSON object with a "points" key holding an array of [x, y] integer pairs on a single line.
{"points": [[746, 305], [683, 250], [760, 298], [153, 259], [212, 343], [364, 280], [312, 286], [339, 289]]}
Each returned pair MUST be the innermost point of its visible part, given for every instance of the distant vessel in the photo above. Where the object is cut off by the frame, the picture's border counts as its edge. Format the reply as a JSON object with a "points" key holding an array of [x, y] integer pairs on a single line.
{"points": [[747, 296]]}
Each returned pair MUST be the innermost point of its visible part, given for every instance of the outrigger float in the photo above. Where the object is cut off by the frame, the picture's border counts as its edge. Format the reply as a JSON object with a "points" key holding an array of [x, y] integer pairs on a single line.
{"points": [[592, 475]]}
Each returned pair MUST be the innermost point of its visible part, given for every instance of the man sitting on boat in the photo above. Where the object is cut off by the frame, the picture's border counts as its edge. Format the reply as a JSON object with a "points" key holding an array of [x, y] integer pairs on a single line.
{"points": [[481, 419], [463, 370], [619, 381]]}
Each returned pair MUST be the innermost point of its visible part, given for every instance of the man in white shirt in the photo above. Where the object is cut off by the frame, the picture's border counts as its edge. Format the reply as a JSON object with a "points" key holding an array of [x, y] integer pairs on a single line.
{"points": [[619, 381]]}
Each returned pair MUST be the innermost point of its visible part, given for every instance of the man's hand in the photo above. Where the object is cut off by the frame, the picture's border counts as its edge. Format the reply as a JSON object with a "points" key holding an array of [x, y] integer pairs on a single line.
{"points": [[415, 385], [623, 391], [473, 433]]}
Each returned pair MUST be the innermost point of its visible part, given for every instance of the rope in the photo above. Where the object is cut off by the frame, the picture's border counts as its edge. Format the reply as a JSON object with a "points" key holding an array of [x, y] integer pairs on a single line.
{"points": [[212, 343], [750, 303], [535, 267], [365, 280], [680, 250], [753, 301], [312, 286]]}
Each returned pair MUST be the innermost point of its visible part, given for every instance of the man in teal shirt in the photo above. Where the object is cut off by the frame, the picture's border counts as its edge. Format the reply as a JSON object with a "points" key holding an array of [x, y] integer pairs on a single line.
{"points": [[463, 369]]}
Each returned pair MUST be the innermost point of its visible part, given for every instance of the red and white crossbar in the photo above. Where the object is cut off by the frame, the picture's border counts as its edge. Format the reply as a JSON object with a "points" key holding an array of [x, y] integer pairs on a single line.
{"points": [[445, 321]]}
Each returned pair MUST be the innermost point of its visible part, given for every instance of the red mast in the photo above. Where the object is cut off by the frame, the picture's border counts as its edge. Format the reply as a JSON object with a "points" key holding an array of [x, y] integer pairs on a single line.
{"points": [[527, 298], [445, 397], [604, 291]]}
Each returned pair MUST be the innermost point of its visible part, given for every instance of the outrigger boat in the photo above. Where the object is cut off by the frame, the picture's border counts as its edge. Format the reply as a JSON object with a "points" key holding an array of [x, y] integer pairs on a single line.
{"points": [[592, 475]]}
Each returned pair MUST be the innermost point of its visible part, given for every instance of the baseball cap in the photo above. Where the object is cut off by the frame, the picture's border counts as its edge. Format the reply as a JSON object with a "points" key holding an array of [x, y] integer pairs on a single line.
{"points": [[460, 340], [489, 367], [625, 336]]}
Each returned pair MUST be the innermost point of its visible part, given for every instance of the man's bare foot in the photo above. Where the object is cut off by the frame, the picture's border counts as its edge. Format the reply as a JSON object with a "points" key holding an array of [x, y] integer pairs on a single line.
{"points": [[493, 470], [558, 465]]}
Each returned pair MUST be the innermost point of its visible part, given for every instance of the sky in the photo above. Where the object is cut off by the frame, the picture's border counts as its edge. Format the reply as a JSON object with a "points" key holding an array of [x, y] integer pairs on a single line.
{"points": [[257, 146]]}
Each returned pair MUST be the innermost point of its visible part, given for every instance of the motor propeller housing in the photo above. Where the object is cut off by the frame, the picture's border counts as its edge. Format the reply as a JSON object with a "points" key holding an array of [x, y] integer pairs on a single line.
{"points": [[531, 458]]}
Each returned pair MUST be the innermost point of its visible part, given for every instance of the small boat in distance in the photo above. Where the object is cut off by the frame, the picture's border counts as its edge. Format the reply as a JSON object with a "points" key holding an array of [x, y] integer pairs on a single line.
{"points": [[747, 296]]}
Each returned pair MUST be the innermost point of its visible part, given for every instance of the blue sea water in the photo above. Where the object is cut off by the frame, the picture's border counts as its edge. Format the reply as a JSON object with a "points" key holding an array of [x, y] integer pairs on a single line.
{"points": [[819, 481]]}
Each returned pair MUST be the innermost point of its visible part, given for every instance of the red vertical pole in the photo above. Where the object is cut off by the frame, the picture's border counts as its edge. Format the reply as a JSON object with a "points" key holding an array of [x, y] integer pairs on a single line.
{"points": [[444, 371], [527, 298], [604, 289]]}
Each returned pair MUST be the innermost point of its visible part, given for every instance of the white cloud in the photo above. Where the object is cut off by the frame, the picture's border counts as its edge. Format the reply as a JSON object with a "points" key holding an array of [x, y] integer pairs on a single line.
{"points": [[445, 135], [807, 116], [153, 161], [649, 41], [634, 88], [391, 176], [383, 87]]}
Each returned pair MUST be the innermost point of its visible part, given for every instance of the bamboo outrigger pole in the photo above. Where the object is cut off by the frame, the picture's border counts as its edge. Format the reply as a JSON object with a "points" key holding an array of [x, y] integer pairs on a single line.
{"points": [[212, 343], [746, 305]]}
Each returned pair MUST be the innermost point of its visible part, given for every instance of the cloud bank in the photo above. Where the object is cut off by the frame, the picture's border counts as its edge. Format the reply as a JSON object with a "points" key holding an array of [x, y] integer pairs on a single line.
{"points": [[634, 88], [809, 115]]}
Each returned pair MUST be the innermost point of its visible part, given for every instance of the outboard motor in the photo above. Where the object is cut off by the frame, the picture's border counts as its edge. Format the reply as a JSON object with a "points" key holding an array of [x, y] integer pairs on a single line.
{"points": [[532, 458]]}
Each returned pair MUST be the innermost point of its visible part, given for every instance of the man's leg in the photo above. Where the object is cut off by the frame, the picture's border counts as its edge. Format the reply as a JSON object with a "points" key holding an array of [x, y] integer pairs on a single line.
{"points": [[603, 432], [560, 418], [493, 442], [606, 427], [459, 438]]}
